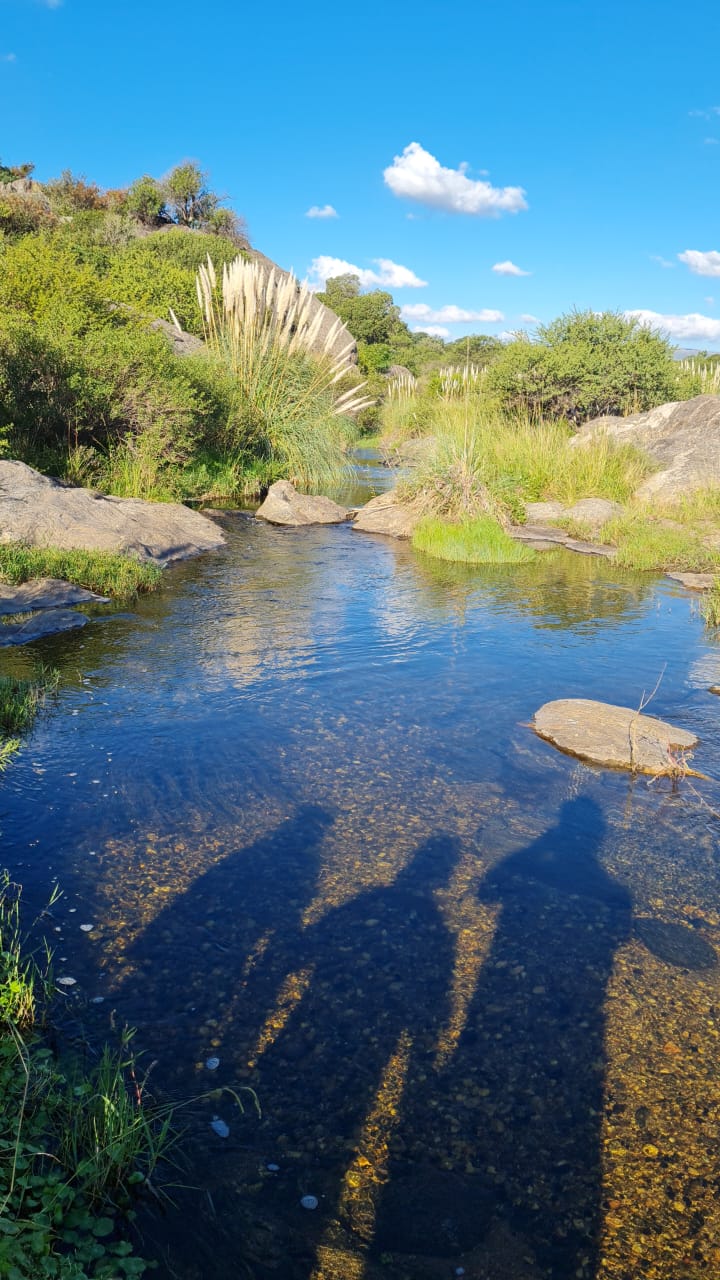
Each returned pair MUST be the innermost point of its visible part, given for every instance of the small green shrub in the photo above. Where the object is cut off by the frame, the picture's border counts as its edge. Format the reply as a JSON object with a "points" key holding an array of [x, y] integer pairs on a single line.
{"points": [[645, 541], [710, 606], [477, 541]]}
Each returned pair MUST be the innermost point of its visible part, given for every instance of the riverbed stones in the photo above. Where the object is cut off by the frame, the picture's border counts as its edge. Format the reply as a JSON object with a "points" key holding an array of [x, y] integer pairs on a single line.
{"points": [[47, 623], [284, 505], [42, 512], [615, 737], [682, 439], [676, 944], [388, 515], [45, 593]]}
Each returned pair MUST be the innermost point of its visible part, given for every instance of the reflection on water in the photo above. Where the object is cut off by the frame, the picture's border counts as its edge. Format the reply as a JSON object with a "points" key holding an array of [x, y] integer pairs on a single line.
{"points": [[471, 981]]}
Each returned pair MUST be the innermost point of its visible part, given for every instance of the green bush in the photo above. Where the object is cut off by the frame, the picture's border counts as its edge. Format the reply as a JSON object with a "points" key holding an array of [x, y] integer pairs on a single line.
{"points": [[583, 365], [157, 273]]}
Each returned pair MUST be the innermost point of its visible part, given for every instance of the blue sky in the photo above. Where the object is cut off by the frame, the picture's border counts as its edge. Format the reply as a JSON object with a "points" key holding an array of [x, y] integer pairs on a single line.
{"points": [[578, 141]]}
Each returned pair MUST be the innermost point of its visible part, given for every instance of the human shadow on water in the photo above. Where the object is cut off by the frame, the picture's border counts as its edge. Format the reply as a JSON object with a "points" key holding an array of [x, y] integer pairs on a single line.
{"points": [[533, 1049], [192, 964]]}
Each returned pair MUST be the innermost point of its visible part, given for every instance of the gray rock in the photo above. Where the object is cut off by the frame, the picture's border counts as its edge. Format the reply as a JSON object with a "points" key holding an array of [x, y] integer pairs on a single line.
{"points": [[543, 512], [593, 511], [544, 537], [284, 505], [386, 514], [183, 344], [616, 737], [45, 593], [49, 623], [683, 439], [42, 512]]}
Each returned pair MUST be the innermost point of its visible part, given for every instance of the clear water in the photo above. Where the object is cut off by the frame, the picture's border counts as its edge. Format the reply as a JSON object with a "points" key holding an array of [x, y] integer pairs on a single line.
{"points": [[296, 795]]}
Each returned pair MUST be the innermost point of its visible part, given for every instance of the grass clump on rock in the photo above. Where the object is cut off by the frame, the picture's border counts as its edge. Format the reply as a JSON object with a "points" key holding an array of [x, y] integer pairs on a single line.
{"points": [[470, 541], [105, 572], [20, 701], [656, 543]]}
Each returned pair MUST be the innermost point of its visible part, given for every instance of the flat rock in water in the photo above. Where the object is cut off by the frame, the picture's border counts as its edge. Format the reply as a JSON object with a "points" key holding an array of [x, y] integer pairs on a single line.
{"points": [[45, 593], [284, 505], [676, 944], [544, 537], [49, 623], [42, 512], [616, 737], [694, 581], [386, 514]]}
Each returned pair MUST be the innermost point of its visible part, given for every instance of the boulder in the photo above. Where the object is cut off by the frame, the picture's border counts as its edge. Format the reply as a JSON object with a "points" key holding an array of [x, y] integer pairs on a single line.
{"points": [[683, 439], [42, 512], [45, 593], [183, 344], [616, 737], [48, 623], [284, 505], [543, 512], [594, 512], [387, 514]]}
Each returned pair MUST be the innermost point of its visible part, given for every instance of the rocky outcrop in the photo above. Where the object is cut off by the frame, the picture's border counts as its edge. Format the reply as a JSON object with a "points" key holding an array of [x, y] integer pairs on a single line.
{"points": [[387, 514], [183, 344], [592, 512], [40, 625], [45, 593], [42, 512], [616, 737], [284, 505], [546, 537], [682, 439]]}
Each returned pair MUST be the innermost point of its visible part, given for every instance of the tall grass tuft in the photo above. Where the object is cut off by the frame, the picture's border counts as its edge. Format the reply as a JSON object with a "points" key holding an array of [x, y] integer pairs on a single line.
{"points": [[101, 571], [291, 402]]}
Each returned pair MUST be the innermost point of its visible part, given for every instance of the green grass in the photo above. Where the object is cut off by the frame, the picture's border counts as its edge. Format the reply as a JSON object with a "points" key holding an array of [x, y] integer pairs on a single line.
{"points": [[514, 460], [654, 542], [710, 607], [100, 571], [20, 701], [478, 541], [76, 1145]]}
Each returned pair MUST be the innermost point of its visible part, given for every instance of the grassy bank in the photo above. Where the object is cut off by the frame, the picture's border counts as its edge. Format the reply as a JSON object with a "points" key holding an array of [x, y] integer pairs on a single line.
{"points": [[100, 571], [20, 701], [478, 541]]}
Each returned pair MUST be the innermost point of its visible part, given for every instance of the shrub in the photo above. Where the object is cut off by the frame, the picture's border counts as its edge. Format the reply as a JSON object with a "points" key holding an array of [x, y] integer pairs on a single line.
{"points": [[69, 194], [145, 200], [584, 365], [157, 273], [20, 215]]}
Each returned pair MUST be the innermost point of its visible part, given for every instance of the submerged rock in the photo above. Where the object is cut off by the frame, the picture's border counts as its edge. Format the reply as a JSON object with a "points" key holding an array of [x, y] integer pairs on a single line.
{"points": [[42, 512], [386, 514], [694, 581], [676, 944], [49, 623], [284, 505], [616, 737], [45, 593]]}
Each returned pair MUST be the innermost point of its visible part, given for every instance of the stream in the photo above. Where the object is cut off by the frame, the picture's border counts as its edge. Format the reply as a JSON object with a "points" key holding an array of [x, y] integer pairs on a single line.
{"points": [[457, 992]]}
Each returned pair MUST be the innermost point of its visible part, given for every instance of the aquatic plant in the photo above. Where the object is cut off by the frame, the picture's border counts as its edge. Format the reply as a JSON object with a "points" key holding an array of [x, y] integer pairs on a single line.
{"points": [[101, 571], [477, 541]]}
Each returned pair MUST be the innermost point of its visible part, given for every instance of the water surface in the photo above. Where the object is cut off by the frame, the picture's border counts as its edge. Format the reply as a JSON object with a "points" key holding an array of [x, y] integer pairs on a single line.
{"points": [[296, 794]]}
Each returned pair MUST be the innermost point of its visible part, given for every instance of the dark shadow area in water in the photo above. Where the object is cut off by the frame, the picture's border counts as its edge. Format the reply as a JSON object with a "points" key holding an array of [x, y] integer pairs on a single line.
{"points": [[535, 1038]]}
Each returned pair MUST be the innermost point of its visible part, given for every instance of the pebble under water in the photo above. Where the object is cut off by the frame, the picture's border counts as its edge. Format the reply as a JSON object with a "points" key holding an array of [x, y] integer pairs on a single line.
{"points": [[310, 848]]}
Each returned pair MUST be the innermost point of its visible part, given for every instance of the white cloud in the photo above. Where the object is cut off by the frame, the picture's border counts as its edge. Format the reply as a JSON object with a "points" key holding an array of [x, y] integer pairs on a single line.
{"points": [[322, 211], [417, 175], [8, 57], [710, 302], [662, 262], [693, 326], [391, 274], [509, 269], [707, 114], [528, 319], [448, 315], [701, 264], [435, 330]]}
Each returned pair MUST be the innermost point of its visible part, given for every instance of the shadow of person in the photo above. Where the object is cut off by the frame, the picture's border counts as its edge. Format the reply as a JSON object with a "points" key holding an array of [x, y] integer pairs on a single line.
{"points": [[533, 1049], [335, 1077], [191, 965]]}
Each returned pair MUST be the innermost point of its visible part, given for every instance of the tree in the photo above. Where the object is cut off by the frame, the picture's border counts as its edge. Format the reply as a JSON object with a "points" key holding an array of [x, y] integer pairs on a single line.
{"points": [[145, 200], [191, 201], [69, 194], [370, 317]]}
